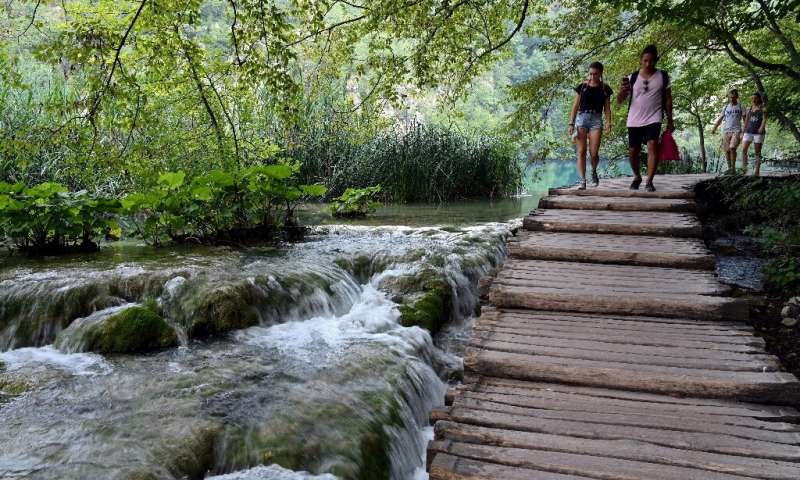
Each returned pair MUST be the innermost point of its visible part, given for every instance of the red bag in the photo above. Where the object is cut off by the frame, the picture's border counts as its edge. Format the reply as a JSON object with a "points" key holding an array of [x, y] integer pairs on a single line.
{"points": [[667, 148]]}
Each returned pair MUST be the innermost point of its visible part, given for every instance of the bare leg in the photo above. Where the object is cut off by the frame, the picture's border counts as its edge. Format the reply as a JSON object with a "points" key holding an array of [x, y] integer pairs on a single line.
{"points": [[582, 153], [652, 159], [745, 148], [633, 156], [757, 170], [733, 157], [595, 136]]}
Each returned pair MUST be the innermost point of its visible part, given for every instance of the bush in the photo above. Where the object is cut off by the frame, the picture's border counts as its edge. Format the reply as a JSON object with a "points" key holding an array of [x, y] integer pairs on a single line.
{"points": [[46, 218], [218, 206], [356, 202]]}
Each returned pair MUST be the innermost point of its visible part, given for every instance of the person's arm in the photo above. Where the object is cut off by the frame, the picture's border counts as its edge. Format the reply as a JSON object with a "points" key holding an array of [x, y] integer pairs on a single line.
{"points": [[763, 121], [668, 104], [719, 120], [747, 118], [624, 91], [573, 114], [607, 111]]}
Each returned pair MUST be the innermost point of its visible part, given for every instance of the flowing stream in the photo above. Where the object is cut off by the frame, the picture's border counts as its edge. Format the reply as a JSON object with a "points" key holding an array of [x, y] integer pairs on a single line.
{"points": [[291, 362]]}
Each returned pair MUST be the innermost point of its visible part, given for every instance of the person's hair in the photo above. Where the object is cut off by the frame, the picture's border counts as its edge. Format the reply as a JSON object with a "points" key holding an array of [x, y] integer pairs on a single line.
{"points": [[734, 92], [759, 99], [652, 50], [597, 65]]}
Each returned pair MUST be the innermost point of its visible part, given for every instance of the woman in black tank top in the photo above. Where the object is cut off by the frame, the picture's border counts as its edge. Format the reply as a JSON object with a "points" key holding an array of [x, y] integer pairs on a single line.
{"points": [[755, 124], [586, 120]]}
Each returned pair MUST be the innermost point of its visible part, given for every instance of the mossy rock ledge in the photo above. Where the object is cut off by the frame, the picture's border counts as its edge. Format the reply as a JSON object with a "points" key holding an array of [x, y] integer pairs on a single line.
{"points": [[431, 309], [133, 330]]}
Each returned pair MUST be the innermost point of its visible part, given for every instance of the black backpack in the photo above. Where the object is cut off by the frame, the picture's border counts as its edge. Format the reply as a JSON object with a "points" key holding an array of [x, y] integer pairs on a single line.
{"points": [[664, 84]]}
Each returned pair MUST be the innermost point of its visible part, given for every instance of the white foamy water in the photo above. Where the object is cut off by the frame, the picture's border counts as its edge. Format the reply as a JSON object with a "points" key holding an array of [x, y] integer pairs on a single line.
{"points": [[271, 472], [85, 364]]}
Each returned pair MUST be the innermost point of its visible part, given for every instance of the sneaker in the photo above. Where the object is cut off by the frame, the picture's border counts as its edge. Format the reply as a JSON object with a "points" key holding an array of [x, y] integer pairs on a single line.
{"points": [[581, 184], [635, 183], [649, 187], [595, 179]]}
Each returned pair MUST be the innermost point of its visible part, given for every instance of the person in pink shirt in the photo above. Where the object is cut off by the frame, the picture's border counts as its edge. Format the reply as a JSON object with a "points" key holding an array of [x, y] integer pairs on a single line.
{"points": [[651, 100]]}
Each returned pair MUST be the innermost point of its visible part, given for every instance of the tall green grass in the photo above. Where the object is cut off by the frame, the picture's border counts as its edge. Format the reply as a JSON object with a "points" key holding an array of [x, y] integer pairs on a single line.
{"points": [[416, 163]]}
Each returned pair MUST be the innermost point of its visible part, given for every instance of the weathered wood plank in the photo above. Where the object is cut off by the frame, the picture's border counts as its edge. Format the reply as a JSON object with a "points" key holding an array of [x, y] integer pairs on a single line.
{"points": [[667, 186], [575, 464], [620, 345], [754, 365], [671, 305], [449, 467], [698, 414], [611, 249], [512, 326], [703, 442], [653, 324], [623, 449], [567, 392], [631, 419], [575, 202], [619, 223], [767, 387]]}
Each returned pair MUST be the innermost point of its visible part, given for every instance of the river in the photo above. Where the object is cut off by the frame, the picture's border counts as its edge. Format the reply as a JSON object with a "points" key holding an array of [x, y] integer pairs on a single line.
{"points": [[323, 378]]}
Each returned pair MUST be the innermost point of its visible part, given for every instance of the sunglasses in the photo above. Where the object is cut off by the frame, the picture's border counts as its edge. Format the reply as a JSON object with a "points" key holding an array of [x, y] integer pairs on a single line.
{"points": [[646, 85]]}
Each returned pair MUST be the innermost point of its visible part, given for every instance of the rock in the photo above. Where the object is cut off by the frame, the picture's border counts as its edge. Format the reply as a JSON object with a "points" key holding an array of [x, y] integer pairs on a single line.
{"points": [[794, 301], [132, 330], [432, 309], [789, 322]]}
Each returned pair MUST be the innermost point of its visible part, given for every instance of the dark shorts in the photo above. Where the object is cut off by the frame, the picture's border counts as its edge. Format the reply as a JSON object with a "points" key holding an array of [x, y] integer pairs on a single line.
{"points": [[639, 135]]}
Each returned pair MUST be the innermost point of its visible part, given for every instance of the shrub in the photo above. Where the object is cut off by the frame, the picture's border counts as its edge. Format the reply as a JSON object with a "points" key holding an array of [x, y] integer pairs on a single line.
{"points": [[356, 202], [219, 206], [46, 218]]}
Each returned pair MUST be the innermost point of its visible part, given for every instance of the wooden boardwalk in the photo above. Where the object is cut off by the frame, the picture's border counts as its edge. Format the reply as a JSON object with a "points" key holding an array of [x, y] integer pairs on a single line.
{"points": [[609, 350]]}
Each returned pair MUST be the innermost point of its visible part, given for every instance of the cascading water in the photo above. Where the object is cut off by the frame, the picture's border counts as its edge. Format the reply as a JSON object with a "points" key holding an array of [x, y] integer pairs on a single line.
{"points": [[296, 358]]}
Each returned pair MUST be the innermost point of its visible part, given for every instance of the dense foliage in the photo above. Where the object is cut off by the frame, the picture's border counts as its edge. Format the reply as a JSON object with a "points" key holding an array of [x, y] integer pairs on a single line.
{"points": [[256, 202], [49, 218]]}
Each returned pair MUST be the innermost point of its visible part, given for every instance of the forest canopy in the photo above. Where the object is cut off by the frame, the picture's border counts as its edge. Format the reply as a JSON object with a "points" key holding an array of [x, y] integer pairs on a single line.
{"points": [[105, 94]]}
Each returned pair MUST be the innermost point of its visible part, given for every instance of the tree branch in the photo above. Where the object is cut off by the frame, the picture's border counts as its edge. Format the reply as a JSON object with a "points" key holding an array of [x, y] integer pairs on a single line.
{"points": [[114, 64]]}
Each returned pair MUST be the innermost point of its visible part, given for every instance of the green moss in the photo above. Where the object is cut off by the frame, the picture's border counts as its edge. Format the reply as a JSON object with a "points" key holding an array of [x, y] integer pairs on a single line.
{"points": [[221, 310], [135, 329], [12, 387], [432, 309]]}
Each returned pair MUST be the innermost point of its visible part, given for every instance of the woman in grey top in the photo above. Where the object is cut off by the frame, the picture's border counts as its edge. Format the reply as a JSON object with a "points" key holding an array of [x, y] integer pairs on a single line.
{"points": [[755, 124]]}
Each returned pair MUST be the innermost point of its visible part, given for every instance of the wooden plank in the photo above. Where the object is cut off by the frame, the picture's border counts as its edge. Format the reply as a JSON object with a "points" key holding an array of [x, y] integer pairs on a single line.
{"points": [[619, 223], [449, 467], [575, 464], [595, 394], [622, 449], [767, 387], [641, 346], [703, 442], [611, 249], [753, 365], [654, 324], [514, 326], [667, 186], [631, 419], [670, 305], [697, 414], [575, 202]]}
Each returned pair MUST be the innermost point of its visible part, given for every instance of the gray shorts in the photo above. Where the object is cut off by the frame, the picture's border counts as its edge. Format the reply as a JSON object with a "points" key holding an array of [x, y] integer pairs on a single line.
{"points": [[589, 120]]}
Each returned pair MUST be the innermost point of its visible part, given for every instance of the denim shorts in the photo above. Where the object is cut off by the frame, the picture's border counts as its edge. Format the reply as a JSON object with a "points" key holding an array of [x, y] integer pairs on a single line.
{"points": [[589, 120]]}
